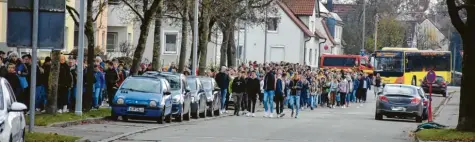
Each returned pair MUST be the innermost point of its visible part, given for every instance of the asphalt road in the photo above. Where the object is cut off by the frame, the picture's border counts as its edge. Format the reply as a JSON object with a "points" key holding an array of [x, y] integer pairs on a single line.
{"points": [[355, 124]]}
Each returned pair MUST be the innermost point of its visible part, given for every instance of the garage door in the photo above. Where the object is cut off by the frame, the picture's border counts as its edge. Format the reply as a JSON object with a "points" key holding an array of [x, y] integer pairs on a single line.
{"points": [[277, 54]]}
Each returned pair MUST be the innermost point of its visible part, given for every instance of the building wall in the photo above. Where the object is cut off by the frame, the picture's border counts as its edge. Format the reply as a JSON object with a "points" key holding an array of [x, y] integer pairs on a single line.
{"points": [[288, 36], [69, 29], [3, 24]]}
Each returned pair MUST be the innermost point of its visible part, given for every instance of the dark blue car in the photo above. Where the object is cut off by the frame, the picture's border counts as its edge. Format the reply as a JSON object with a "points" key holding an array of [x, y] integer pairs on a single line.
{"points": [[143, 97], [398, 100]]}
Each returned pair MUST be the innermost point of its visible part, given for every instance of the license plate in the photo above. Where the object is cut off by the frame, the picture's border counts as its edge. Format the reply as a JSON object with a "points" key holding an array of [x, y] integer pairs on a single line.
{"points": [[136, 109], [398, 108]]}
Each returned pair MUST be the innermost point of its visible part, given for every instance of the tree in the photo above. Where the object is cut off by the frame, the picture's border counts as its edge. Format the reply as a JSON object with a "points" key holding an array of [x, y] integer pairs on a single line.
{"points": [[89, 33], [466, 28], [145, 11], [390, 34], [51, 106], [126, 49], [157, 42]]}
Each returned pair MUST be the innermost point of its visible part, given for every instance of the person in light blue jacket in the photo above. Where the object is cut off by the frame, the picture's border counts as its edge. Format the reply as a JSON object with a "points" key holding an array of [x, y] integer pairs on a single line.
{"points": [[98, 86]]}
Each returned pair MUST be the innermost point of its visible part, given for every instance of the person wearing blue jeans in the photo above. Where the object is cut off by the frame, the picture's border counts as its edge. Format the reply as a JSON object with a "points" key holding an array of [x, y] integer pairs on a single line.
{"points": [[98, 85], [40, 97], [222, 78], [295, 91], [269, 92]]}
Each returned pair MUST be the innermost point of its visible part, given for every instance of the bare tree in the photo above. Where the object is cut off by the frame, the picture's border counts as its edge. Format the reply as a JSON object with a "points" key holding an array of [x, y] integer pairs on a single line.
{"points": [[458, 9], [126, 49], [157, 42]]}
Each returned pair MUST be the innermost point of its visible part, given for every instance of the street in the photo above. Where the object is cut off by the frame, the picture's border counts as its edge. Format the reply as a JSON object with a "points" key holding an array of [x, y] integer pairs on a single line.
{"points": [[354, 124]]}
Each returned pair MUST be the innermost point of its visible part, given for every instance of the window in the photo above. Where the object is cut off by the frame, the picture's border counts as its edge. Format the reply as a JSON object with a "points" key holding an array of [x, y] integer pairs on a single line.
{"points": [[103, 39], [171, 43], [142, 85], [339, 61], [272, 24], [76, 38], [112, 41], [239, 51], [192, 83], [129, 38], [114, 2]]}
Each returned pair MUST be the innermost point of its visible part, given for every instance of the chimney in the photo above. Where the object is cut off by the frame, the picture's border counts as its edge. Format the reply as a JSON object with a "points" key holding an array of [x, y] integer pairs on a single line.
{"points": [[330, 5]]}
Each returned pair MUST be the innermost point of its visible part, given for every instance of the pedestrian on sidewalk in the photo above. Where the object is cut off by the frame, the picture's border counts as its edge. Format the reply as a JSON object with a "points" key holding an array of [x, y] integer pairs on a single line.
{"points": [[295, 90], [279, 94], [377, 84], [222, 78], [65, 83], [343, 89], [239, 87], [253, 90], [333, 92], [363, 87], [269, 92]]}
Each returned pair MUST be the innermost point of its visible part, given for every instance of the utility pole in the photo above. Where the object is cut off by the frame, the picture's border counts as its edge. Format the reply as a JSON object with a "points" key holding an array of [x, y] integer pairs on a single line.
{"points": [[245, 34], [195, 40], [80, 68], [376, 32], [34, 46], [238, 42], [364, 24], [265, 37]]}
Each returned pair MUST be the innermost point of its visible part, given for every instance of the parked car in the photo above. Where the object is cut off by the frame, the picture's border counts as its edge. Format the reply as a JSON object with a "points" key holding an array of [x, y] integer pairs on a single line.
{"points": [[12, 119], [426, 102], [181, 96], [143, 97], [213, 99], [439, 86], [198, 97], [398, 100]]}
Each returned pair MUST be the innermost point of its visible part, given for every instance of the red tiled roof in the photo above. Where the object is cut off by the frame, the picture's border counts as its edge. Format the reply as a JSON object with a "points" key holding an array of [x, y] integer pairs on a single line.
{"points": [[328, 32], [301, 7], [296, 20], [344, 9]]}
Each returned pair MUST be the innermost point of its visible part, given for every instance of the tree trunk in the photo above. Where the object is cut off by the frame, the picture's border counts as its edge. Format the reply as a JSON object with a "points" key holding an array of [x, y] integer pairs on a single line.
{"points": [[466, 120], [51, 106], [224, 45], [204, 28], [231, 46], [144, 27], [87, 98], [190, 61], [184, 37], [157, 42]]}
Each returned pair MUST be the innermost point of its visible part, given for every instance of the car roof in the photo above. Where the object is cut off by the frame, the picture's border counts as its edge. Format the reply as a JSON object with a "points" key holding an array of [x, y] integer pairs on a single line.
{"points": [[400, 85], [145, 77]]}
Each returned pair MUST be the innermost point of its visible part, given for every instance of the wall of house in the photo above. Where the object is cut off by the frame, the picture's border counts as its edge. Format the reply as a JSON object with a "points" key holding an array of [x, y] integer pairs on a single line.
{"points": [[287, 37], [3, 25]]}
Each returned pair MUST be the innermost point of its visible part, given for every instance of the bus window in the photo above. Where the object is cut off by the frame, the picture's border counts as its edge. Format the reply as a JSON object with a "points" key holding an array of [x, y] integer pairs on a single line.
{"points": [[339, 61], [424, 63], [363, 62]]}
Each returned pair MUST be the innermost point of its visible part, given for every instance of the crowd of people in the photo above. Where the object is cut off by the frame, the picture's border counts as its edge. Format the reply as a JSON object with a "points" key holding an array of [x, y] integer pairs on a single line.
{"points": [[297, 86]]}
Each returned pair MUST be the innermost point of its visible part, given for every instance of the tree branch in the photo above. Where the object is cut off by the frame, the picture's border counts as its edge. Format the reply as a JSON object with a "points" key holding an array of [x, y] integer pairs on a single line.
{"points": [[73, 14], [455, 17], [134, 10], [101, 9]]}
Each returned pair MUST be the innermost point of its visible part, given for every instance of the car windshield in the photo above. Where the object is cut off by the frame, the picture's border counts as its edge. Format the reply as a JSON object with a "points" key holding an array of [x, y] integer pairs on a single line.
{"points": [[207, 83], [174, 82], [400, 90], [145, 85], [192, 84], [439, 79]]}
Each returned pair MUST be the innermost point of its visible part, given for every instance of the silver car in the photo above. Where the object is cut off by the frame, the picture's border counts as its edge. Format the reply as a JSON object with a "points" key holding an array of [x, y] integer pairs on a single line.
{"points": [[402, 101]]}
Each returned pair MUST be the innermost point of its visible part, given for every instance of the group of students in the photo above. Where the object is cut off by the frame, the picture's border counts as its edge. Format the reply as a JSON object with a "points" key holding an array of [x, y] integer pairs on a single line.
{"points": [[295, 87]]}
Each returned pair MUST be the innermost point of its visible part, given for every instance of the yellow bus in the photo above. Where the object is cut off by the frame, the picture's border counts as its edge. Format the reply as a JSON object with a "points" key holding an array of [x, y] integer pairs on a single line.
{"points": [[410, 65]]}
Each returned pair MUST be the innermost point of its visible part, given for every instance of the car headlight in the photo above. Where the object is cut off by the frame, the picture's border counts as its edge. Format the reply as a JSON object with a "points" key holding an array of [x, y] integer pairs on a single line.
{"points": [[120, 101], [153, 104]]}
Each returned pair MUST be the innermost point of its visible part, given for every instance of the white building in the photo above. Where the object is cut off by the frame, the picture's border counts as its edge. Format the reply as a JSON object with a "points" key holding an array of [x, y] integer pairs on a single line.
{"points": [[119, 40], [428, 36]]}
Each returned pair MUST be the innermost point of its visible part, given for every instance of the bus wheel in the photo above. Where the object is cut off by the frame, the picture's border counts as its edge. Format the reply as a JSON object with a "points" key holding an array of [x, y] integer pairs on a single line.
{"points": [[414, 81]]}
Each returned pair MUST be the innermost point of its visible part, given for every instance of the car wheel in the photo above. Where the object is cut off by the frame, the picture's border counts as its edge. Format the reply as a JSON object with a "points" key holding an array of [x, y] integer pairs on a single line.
{"points": [[195, 114], [179, 118], [418, 119], [210, 109], [444, 93], [114, 117], [168, 118], [125, 118], [216, 112], [160, 119], [187, 114], [378, 116]]}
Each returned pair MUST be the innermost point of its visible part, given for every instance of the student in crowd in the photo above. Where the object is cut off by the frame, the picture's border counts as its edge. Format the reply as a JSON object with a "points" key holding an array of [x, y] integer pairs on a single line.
{"points": [[295, 91], [269, 92], [253, 89], [238, 88], [279, 94], [222, 79]]}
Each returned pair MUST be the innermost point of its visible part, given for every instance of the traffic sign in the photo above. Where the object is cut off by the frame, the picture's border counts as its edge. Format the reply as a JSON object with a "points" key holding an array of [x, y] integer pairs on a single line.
{"points": [[430, 77]]}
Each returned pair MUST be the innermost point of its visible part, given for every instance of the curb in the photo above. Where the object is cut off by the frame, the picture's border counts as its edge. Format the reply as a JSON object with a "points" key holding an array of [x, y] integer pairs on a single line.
{"points": [[415, 139], [158, 127], [439, 108], [77, 122]]}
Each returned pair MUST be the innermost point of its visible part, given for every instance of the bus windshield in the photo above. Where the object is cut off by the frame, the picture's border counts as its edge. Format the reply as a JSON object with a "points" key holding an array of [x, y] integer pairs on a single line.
{"points": [[339, 61], [423, 62], [389, 64]]}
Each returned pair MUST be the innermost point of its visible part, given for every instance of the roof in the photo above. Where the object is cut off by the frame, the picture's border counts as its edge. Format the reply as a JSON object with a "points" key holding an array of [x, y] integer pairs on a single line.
{"points": [[335, 15], [301, 7], [324, 23], [295, 19], [344, 9]]}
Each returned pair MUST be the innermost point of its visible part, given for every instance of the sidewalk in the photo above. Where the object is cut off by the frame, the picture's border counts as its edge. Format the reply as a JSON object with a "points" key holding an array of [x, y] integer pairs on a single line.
{"points": [[448, 113]]}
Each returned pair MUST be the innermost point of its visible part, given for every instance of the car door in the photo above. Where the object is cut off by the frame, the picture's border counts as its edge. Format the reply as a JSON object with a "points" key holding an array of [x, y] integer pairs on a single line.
{"points": [[167, 98], [16, 119]]}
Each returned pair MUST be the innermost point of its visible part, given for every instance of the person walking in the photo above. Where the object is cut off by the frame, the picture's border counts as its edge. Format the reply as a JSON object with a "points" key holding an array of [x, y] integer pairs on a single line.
{"points": [[363, 87], [222, 78], [239, 87], [269, 91], [343, 90], [377, 84], [333, 91], [253, 90], [279, 94], [295, 90]]}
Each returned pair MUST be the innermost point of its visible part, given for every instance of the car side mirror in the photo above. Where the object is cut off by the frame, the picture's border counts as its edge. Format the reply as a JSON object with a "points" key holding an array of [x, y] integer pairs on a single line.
{"points": [[380, 93], [18, 107], [167, 93]]}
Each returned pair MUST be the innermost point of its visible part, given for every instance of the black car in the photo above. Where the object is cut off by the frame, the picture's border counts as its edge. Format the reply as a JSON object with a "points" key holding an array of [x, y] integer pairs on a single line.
{"points": [[439, 86], [211, 90], [198, 97], [181, 96], [398, 100]]}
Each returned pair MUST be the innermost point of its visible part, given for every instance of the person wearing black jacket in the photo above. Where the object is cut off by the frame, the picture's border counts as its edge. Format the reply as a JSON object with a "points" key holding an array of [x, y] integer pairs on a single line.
{"points": [[222, 78], [269, 91], [3, 68], [65, 82], [112, 78], [252, 89], [239, 87], [12, 78]]}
